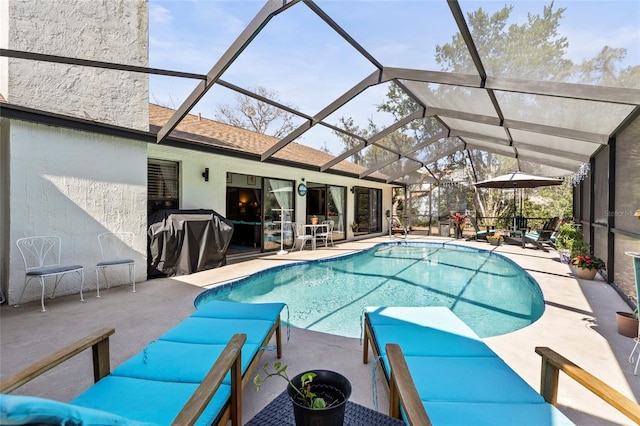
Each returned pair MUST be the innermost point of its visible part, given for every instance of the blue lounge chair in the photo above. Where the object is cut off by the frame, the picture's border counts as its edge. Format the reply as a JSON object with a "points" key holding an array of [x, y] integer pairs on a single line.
{"points": [[160, 383], [480, 234], [440, 372], [456, 375]]}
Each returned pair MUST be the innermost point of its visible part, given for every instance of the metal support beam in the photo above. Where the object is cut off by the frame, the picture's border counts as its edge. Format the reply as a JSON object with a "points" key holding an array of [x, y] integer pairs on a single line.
{"points": [[371, 80], [268, 11]]}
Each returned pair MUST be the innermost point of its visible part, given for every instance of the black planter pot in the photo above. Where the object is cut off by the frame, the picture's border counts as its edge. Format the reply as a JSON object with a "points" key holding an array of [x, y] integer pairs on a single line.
{"points": [[334, 388]]}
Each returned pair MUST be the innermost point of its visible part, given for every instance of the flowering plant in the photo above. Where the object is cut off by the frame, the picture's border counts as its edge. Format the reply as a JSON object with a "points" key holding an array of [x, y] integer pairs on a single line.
{"points": [[588, 262], [458, 218], [495, 237]]}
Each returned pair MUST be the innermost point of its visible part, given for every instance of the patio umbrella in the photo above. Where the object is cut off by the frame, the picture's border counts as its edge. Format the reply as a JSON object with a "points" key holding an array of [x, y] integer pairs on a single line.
{"points": [[516, 180]]}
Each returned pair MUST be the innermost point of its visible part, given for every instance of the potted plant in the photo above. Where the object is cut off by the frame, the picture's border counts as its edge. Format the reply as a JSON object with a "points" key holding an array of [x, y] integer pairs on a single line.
{"points": [[319, 397], [628, 323], [355, 226], [314, 220], [459, 220], [495, 240], [587, 266]]}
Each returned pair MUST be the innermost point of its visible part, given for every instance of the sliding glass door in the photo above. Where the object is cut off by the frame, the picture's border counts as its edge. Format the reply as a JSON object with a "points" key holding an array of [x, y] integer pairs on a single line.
{"points": [[278, 213]]}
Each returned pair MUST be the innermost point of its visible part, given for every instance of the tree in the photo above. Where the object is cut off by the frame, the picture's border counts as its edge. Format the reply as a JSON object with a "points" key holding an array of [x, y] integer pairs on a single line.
{"points": [[531, 50], [258, 116]]}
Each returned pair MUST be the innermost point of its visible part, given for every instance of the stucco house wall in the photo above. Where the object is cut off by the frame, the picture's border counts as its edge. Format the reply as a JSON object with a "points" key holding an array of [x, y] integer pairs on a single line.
{"points": [[74, 185], [111, 31], [195, 193]]}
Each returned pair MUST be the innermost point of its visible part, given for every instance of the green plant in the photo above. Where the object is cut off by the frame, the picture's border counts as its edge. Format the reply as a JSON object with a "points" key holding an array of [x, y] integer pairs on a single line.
{"points": [[588, 261], [567, 235], [304, 391], [497, 237], [578, 248], [355, 226]]}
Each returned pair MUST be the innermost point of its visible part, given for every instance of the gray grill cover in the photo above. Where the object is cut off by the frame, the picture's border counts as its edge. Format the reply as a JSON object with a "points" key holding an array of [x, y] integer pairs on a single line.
{"points": [[181, 242]]}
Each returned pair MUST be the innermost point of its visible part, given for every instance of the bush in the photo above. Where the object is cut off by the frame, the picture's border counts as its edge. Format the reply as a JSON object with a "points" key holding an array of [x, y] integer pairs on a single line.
{"points": [[568, 236]]}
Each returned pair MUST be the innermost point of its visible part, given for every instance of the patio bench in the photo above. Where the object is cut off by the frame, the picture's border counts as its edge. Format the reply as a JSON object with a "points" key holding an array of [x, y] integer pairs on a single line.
{"points": [[180, 378]]}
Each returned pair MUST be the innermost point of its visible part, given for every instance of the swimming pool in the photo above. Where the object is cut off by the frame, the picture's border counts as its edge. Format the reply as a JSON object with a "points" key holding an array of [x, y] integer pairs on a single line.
{"points": [[489, 292]]}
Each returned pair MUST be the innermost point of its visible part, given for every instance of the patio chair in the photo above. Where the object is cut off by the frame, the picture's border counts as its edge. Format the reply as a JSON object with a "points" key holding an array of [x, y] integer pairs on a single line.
{"points": [[480, 234], [543, 236], [299, 234], [326, 232], [41, 256], [520, 224], [115, 250]]}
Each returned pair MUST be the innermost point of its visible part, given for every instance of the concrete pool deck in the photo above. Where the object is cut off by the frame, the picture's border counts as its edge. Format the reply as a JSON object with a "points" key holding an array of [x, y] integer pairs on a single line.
{"points": [[579, 323]]}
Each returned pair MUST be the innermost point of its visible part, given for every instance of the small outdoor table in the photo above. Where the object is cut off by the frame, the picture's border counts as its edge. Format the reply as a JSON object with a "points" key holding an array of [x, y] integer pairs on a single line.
{"points": [[279, 412]]}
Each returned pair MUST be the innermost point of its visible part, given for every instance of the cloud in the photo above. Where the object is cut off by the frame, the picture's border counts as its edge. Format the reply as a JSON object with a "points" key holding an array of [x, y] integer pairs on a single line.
{"points": [[159, 15]]}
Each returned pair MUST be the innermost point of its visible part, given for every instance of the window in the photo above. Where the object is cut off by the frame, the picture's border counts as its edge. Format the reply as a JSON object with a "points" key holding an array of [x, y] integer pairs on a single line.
{"points": [[162, 185]]}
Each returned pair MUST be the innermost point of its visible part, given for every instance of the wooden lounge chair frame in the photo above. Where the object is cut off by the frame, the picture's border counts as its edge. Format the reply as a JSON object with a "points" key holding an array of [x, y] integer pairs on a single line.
{"points": [[229, 360], [543, 237]]}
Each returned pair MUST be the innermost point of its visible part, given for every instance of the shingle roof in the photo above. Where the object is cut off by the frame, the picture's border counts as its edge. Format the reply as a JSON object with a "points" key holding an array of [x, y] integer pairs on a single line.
{"points": [[209, 132]]}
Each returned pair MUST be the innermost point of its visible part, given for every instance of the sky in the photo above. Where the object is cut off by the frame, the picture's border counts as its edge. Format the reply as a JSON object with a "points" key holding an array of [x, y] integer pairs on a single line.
{"points": [[308, 65]]}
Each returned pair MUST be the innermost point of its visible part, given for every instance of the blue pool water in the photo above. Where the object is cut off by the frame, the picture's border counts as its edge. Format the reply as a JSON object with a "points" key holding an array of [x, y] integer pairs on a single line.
{"points": [[489, 292]]}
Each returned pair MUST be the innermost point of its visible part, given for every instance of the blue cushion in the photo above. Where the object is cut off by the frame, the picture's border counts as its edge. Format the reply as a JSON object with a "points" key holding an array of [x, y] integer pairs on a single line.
{"points": [[426, 341], [217, 330], [224, 309], [178, 362], [22, 410], [149, 400], [469, 379], [490, 414], [436, 317]]}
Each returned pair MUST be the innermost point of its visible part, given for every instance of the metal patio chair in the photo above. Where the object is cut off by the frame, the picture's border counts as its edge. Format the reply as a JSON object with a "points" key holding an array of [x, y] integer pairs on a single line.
{"points": [[41, 256], [299, 234], [116, 250], [326, 232]]}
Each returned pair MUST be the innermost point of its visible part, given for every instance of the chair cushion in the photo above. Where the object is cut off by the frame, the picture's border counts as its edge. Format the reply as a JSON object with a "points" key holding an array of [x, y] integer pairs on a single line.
{"points": [[178, 362], [218, 330], [22, 410], [469, 379], [149, 400], [50, 270], [224, 309], [111, 262], [436, 317], [426, 341], [491, 414]]}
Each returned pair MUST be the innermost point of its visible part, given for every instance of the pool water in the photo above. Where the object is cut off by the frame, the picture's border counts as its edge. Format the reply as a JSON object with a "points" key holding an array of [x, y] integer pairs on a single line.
{"points": [[487, 291]]}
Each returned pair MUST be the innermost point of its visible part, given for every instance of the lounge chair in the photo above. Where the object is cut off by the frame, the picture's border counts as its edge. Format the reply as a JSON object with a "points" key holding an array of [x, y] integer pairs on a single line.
{"points": [[480, 234], [457, 376], [439, 371], [171, 380], [542, 237]]}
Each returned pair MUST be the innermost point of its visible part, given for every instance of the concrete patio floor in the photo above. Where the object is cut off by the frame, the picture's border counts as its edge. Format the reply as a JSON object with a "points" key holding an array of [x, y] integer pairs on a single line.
{"points": [[579, 323]]}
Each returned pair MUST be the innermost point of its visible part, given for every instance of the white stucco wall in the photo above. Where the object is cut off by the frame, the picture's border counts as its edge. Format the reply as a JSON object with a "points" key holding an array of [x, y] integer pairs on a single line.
{"points": [[74, 185], [111, 31], [4, 43], [195, 193]]}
